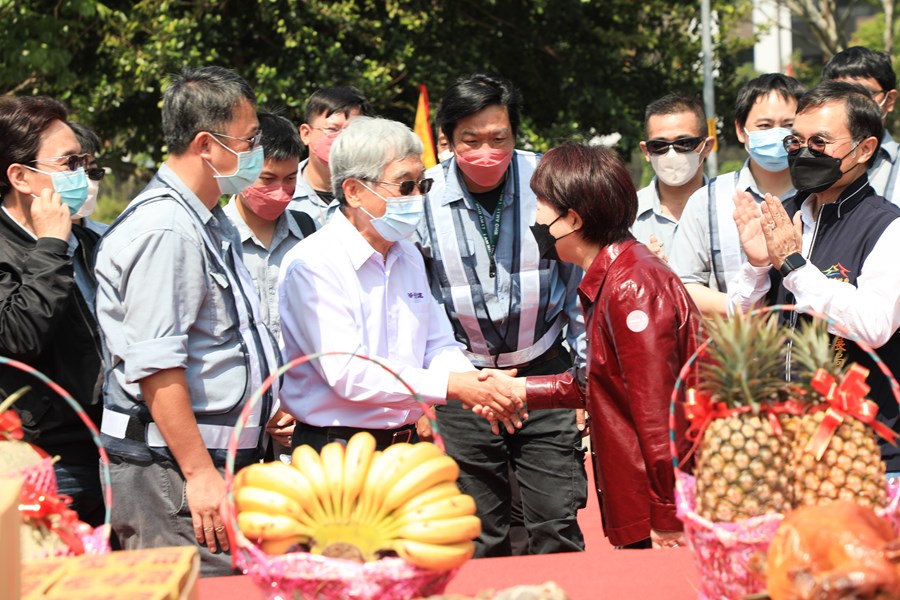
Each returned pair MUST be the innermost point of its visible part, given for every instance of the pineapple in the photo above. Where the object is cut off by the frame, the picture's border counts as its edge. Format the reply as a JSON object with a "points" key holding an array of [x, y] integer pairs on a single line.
{"points": [[741, 468], [851, 467]]}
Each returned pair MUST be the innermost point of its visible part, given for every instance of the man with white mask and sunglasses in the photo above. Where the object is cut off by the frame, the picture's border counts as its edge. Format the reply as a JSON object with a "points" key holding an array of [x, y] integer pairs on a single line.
{"points": [[677, 144], [90, 145], [706, 252], [47, 290], [185, 342], [359, 286]]}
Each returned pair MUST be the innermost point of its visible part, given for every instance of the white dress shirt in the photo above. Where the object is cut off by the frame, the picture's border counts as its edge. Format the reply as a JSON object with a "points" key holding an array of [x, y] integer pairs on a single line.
{"points": [[870, 309], [336, 293]]}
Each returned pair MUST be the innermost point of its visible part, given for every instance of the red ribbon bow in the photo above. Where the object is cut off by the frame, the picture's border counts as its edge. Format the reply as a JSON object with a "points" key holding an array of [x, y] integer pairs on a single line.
{"points": [[11, 425], [700, 410], [54, 513], [845, 399]]}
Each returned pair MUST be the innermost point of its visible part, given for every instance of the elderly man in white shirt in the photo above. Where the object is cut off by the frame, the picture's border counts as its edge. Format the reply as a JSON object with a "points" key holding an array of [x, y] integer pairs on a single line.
{"points": [[360, 286]]}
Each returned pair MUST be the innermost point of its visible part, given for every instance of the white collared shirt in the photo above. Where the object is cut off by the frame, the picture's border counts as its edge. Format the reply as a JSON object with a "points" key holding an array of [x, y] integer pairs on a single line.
{"points": [[338, 294], [870, 309]]}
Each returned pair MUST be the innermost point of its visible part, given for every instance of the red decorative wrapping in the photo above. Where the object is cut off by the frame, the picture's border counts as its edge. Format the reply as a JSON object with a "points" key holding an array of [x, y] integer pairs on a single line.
{"points": [[11, 425], [53, 512], [700, 410], [845, 399]]}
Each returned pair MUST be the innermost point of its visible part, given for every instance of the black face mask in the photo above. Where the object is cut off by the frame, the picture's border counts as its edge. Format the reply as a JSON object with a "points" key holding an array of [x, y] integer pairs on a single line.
{"points": [[545, 240], [812, 173]]}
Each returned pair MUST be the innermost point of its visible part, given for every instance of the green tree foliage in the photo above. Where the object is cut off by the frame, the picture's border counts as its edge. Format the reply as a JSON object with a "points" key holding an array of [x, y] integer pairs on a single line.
{"points": [[584, 67]]}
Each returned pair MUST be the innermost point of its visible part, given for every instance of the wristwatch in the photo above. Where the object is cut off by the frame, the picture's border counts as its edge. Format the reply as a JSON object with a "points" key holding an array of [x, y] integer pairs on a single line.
{"points": [[792, 262]]}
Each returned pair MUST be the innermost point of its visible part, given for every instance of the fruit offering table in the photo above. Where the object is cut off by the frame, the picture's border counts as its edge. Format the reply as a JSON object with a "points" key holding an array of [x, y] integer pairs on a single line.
{"points": [[599, 572]]}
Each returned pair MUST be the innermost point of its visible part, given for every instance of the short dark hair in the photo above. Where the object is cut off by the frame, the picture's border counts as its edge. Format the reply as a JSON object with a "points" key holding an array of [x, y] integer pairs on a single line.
{"points": [[201, 99], [279, 138], [675, 103], [468, 95], [863, 113], [788, 87], [87, 138], [858, 62], [22, 121], [592, 181], [329, 100]]}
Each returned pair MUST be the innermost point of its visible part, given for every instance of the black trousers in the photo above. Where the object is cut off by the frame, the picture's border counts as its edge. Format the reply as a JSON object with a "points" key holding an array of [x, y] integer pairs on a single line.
{"points": [[548, 463]]}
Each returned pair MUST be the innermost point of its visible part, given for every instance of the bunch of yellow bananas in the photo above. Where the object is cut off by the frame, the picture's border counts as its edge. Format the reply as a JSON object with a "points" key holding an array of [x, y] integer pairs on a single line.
{"points": [[356, 502]]}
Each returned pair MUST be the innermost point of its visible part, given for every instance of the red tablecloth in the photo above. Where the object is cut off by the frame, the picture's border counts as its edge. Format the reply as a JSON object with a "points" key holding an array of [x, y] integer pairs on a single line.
{"points": [[599, 572]]}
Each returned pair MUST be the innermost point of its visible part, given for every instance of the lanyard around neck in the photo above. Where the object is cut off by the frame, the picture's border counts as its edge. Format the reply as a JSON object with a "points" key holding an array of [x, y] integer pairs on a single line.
{"points": [[492, 237]]}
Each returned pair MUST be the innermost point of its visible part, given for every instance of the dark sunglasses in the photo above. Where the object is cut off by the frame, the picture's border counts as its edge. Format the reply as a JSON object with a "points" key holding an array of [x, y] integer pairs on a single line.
{"points": [[96, 173], [407, 187], [815, 143], [73, 162], [681, 146]]}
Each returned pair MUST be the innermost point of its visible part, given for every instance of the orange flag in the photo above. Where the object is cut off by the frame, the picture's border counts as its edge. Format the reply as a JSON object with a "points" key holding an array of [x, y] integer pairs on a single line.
{"points": [[423, 129]]}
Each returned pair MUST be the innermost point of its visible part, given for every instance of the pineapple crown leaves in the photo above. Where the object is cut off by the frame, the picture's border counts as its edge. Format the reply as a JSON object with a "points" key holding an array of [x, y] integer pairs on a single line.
{"points": [[812, 349], [745, 362]]}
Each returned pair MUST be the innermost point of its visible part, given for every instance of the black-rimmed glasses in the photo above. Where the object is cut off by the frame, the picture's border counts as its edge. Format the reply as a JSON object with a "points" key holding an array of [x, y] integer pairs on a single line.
{"points": [[681, 146], [815, 143]]}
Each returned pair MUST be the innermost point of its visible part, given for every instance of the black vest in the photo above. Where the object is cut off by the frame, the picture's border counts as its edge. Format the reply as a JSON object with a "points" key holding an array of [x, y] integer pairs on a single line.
{"points": [[845, 233]]}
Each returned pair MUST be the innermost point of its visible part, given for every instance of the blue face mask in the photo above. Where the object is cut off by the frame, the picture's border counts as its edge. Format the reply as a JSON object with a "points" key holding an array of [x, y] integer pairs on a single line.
{"points": [[72, 186], [401, 216], [766, 148], [249, 166]]}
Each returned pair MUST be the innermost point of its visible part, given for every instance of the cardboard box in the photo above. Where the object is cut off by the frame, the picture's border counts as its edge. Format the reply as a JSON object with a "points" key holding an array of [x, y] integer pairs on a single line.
{"points": [[152, 574], [10, 551]]}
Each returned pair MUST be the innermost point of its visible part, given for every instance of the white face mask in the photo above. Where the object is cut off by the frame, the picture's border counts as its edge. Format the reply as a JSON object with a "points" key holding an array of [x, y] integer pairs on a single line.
{"points": [[676, 168], [91, 203]]}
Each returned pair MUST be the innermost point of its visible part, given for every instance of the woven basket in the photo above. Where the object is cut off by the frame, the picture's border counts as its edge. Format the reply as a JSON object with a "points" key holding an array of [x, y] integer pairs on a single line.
{"points": [[731, 556], [42, 478], [301, 575]]}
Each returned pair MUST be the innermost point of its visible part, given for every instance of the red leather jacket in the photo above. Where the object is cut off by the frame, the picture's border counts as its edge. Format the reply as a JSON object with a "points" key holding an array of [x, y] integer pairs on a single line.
{"points": [[641, 327]]}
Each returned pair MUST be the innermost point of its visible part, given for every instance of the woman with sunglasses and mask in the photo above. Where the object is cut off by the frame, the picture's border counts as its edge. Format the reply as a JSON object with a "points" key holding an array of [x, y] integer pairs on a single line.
{"points": [[834, 247], [47, 290], [641, 325], [705, 251]]}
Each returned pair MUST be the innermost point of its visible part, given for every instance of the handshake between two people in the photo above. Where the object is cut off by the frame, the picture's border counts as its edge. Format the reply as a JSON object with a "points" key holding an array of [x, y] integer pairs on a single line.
{"points": [[494, 394]]}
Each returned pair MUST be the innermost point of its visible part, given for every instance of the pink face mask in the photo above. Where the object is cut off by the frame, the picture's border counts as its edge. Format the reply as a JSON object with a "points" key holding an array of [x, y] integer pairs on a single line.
{"points": [[269, 201], [484, 167], [322, 148]]}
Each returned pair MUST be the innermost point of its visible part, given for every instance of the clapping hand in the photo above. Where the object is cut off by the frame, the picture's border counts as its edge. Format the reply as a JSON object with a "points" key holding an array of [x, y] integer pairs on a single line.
{"points": [[749, 224]]}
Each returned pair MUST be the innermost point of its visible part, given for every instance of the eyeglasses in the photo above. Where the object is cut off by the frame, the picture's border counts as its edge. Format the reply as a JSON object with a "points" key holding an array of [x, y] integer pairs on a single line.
{"points": [[330, 131], [250, 140], [681, 146], [73, 162], [96, 173], [815, 143], [407, 187]]}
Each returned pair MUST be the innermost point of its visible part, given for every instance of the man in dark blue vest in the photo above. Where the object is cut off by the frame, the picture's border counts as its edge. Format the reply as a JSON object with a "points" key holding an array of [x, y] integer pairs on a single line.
{"points": [[834, 248]]}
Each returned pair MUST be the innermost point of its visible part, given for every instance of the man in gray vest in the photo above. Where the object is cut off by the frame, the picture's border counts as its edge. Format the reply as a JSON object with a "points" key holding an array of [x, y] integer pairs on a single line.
{"points": [[184, 340], [511, 309]]}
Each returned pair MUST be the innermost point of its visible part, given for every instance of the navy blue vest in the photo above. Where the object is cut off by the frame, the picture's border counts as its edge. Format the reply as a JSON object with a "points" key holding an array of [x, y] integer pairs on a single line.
{"points": [[846, 231]]}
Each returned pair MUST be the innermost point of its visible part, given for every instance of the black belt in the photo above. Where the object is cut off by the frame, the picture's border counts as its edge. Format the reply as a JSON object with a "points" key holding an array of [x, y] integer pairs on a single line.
{"points": [[383, 437]]}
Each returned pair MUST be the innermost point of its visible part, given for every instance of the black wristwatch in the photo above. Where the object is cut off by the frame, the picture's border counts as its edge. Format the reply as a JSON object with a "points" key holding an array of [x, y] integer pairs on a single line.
{"points": [[792, 262]]}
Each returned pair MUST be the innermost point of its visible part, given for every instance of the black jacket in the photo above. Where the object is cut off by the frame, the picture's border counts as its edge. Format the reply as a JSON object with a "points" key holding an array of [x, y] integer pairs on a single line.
{"points": [[46, 323]]}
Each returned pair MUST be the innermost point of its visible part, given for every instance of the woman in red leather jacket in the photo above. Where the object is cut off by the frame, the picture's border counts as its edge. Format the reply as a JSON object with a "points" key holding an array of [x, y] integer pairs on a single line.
{"points": [[641, 327]]}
